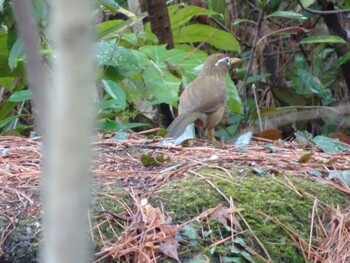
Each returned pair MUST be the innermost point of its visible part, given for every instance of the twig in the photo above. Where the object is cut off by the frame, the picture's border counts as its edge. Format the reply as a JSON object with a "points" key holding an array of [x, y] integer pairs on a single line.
{"points": [[311, 228], [257, 107]]}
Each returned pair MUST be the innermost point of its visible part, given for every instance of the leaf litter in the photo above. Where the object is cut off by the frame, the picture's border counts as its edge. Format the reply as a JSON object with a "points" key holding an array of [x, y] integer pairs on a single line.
{"points": [[148, 232]]}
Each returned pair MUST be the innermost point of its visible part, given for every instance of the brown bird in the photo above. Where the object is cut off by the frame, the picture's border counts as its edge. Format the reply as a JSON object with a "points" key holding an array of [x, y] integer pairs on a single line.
{"points": [[203, 101]]}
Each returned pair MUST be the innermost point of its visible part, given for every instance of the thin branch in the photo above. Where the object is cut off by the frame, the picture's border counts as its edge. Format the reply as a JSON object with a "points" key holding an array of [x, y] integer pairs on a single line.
{"points": [[250, 64]]}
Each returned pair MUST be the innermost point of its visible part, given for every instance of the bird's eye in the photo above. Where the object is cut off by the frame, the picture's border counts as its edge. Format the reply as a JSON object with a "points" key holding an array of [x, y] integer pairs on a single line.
{"points": [[225, 60]]}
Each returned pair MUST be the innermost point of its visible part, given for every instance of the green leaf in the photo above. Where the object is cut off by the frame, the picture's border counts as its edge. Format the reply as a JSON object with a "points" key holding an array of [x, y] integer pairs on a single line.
{"points": [[259, 171], [105, 28], [9, 119], [303, 136], [322, 39], [109, 125], [240, 241], [185, 57], [204, 33], [7, 82], [160, 83], [307, 3], [190, 230], [243, 141], [16, 54], [21, 95], [120, 136], [212, 250], [116, 92], [258, 77], [247, 256], [330, 145], [110, 104], [186, 14], [239, 21], [316, 173], [235, 250], [310, 84], [343, 59], [305, 158], [287, 14], [111, 5], [233, 102], [5, 71], [110, 54], [343, 176], [232, 260]]}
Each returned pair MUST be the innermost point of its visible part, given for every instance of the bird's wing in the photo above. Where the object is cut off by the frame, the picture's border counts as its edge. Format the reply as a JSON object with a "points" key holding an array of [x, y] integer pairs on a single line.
{"points": [[205, 95]]}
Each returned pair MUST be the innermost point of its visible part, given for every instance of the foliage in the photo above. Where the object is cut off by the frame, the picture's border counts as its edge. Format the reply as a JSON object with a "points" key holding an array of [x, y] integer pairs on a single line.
{"points": [[136, 73]]}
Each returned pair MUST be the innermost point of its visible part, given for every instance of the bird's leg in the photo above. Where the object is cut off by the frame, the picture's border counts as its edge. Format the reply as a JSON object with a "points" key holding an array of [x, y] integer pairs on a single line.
{"points": [[210, 135]]}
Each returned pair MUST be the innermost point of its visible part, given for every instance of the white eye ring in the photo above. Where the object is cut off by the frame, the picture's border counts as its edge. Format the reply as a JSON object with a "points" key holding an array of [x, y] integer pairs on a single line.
{"points": [[226, 60]]}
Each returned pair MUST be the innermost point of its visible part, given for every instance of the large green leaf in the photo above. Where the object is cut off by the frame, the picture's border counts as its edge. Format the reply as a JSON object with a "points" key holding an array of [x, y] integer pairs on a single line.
{"points": [[183, 58], [330, 145], [161, 73], [160, 83], [322, 39], [110, 54], [186, 14], [204, 33]]}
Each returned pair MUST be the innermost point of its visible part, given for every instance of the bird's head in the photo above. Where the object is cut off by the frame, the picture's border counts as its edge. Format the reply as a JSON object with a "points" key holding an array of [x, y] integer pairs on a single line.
{"points": [[218, 65]]}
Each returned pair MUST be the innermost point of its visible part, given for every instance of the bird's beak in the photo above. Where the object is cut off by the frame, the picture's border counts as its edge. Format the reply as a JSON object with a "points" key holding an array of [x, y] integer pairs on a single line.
{"points": [[234, 61]]}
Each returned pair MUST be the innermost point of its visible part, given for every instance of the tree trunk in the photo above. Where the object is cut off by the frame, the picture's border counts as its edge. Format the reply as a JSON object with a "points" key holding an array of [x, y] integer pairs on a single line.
{"points": [[35, 69], [66, 180], [160, 23]]}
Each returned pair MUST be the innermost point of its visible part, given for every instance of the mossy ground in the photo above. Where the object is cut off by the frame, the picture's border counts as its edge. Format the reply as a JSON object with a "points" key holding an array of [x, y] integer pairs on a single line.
{"points": [[274, 207], [23, 243], [270, 205]]}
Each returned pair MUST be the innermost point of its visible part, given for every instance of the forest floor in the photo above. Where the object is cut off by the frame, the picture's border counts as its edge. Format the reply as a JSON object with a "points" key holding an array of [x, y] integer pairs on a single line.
{"points": [[273, 202]]}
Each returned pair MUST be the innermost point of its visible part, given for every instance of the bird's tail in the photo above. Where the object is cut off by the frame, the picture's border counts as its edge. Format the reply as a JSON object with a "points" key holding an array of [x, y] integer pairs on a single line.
{"points": [[178, 126]]}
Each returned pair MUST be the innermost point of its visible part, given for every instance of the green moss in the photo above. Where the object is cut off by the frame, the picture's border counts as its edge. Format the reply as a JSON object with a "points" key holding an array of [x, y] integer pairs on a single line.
{"points": [[22, 245], [271, 207], [107, 203], [186, 198]]}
